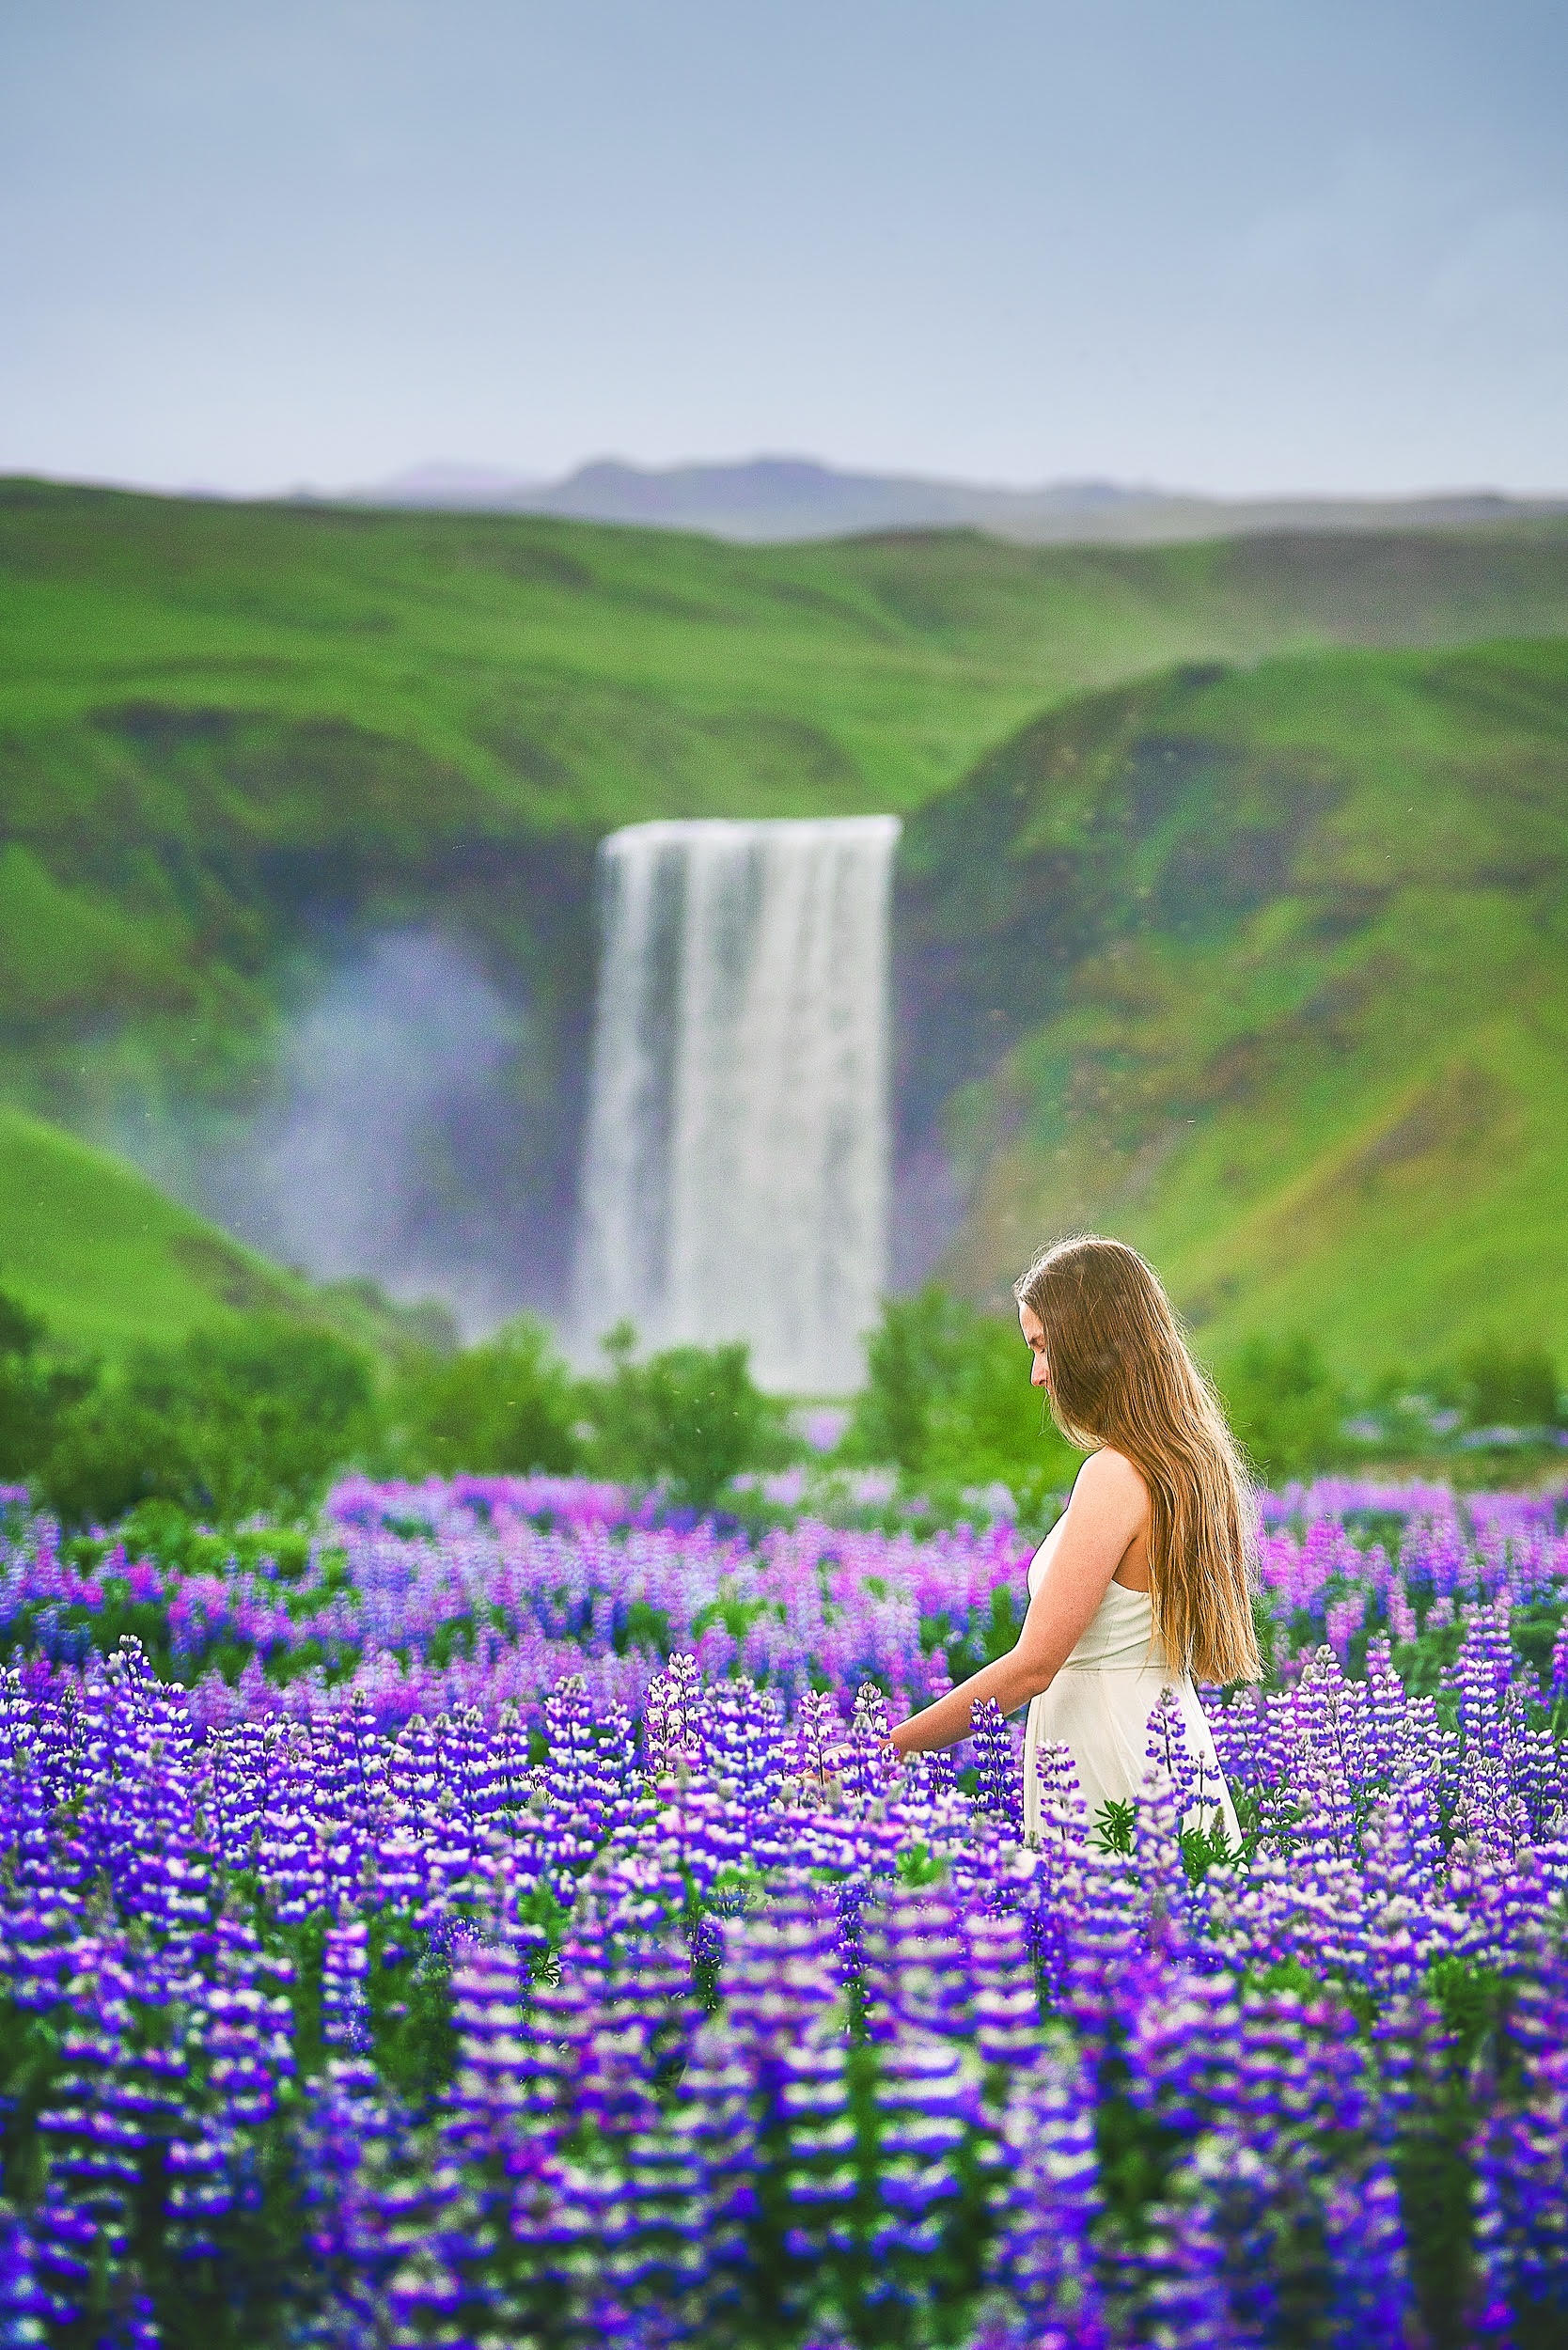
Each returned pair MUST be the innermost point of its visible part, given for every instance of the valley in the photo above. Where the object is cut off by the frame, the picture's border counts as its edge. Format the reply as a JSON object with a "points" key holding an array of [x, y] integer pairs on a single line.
{"points": [[1197, 837]]}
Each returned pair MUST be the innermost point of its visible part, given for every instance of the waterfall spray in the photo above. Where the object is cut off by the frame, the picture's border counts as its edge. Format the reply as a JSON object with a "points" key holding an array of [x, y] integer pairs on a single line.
{"points": [[735, 1173]]}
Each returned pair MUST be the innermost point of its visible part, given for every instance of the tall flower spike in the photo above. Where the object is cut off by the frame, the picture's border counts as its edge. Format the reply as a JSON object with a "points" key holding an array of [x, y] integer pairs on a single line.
{"points": [[1046, 2198], [1004, 2000], [871, 1758], [821, 1750], [1001, 1789], [345, 1967]]}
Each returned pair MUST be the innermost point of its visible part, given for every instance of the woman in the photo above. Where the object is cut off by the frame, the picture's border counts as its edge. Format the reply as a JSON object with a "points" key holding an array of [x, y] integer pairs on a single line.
{"points": [[1143, 1582]]}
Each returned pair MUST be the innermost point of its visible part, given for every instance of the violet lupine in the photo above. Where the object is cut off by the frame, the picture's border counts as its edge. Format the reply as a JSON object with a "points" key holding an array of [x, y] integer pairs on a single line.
{"points": [[740, 2011], [996, 1768], [541, 1585], [1047, 2197], [24, 2303]]}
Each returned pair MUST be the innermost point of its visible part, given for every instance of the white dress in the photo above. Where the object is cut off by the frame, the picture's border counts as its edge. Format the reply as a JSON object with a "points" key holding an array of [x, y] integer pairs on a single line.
{"points": [[1098, 1707]]}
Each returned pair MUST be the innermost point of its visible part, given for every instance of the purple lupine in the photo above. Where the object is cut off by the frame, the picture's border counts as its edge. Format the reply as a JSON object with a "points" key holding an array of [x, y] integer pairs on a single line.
{"points": [[1002, 1791], [928, 2104], [1004, 1994], [23, 2303], [347, 2134], [1046, 2196], [915, 1971], [608, 2143]]}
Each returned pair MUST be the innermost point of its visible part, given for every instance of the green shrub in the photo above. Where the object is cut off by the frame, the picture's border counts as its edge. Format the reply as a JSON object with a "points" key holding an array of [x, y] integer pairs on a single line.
{"points": [[34, 1392], [507, 1405], [692, 1416], [990, 1423], [20, 1333], [948, 1400], [253, 1415], [1286, 1406], [914, 1357], [1508, 1386]]}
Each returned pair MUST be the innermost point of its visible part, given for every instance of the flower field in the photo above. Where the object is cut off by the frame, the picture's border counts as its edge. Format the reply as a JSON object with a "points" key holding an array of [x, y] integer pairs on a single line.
{"points": [[499, 1920]]}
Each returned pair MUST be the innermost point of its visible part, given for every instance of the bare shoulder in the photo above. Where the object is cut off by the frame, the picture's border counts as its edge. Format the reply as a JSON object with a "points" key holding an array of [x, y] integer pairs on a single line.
{"points": [[1113, 1487]]}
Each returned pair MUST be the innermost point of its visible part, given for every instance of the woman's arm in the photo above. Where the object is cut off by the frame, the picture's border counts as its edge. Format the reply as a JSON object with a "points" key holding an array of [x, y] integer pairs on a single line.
{"points": [[1110, 1503]]}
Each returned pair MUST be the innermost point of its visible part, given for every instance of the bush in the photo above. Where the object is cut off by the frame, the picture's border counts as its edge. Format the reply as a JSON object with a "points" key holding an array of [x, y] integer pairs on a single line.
{"points": [[508, 1405], [1508, 1386], [253, 1415], [34, 1392], [948, 1400], [991, 1424], [1286, 1406], [692, 1414], [914, 1357]]}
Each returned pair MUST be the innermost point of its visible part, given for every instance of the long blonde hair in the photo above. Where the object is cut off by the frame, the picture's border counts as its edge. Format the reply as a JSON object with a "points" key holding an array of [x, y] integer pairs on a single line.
{"points": [[1121, 1375]]}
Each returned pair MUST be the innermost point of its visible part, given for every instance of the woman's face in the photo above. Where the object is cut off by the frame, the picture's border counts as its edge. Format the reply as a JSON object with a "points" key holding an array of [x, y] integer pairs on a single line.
{"points": [[1034, 1339]]}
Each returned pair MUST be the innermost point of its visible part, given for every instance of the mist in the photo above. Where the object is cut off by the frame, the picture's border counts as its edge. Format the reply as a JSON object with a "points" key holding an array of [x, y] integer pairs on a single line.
{"points": [[421, 1127], [399, 1140]]}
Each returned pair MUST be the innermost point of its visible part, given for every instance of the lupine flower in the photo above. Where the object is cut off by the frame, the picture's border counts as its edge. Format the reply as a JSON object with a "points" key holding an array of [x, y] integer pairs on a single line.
{"points": [[603, 1980]]}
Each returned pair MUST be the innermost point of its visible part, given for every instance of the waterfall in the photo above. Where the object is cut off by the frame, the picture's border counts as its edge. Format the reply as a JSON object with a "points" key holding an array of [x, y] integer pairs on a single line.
{"points": [[735, 1170]]}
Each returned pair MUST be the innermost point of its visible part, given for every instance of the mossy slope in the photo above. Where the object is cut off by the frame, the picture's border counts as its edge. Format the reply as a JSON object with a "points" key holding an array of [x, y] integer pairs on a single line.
{"points": [[96, 1249], [226, 730], [1277, 960], [1256, 958]]}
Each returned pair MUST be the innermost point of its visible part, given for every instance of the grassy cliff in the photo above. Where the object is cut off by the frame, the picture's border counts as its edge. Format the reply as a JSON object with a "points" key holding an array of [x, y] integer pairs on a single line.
{"points": [[106, 1262], [224, 729], [97, 1250], [1241, 932], [1264, 971]]}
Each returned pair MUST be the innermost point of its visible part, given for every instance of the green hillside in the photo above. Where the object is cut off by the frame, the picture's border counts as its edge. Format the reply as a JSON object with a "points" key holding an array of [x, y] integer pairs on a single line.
{"points": [[106, 1260], [95, 1249], [1247, 945], [223, 727], [1276, 960]]}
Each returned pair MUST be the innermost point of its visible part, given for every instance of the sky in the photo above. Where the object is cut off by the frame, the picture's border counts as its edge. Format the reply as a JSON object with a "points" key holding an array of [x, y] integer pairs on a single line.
{"points": [[1232, 246]]}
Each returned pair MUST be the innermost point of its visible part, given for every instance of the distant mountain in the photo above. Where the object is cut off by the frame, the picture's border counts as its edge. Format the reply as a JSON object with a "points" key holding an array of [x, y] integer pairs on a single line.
{"points": [[453, 488], [766, 498]]}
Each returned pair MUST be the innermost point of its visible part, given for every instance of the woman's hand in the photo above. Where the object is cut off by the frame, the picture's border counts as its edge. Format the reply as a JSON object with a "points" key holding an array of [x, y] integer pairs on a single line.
{"points": [[1109, 1506]]}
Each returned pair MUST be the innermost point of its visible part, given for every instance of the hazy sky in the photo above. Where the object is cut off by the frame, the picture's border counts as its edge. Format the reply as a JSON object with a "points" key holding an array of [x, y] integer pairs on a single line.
{"points": [[1233, 244]]}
